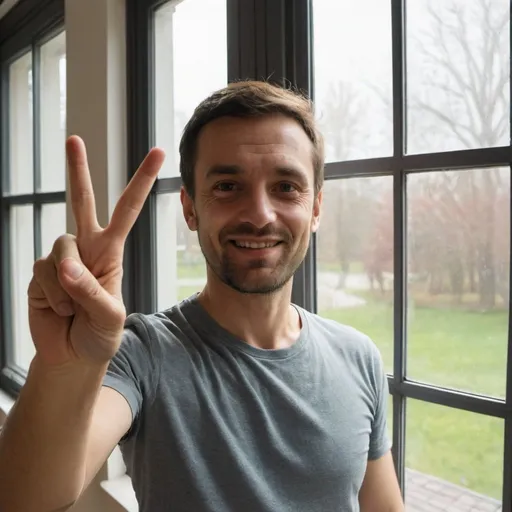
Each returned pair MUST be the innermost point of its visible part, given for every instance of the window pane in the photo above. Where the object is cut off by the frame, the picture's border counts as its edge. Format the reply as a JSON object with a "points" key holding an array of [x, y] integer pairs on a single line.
{"points": [[190, 63], [181, 269], [454, 459], [458, 74], [459, 246], [53, 225], [355, 258], [22, 260], [20, 126], [353, 77], [53, 114]]}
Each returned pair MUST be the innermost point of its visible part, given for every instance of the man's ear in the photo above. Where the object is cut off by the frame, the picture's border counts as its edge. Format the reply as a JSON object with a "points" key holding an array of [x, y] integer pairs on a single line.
{"points": [[317, 208], [189, 211]]}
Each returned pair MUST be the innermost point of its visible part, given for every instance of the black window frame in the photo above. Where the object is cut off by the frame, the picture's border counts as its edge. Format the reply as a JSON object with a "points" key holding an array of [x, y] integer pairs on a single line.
{"points": [[27, 26], [273, 38]]}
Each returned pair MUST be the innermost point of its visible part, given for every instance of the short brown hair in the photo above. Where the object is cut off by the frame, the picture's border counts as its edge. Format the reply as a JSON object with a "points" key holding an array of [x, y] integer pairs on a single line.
{"points": [[250, 99]]}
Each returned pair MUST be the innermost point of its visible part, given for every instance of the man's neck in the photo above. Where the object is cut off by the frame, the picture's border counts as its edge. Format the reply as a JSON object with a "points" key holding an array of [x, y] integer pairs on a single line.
{"points": [[266, 321]]}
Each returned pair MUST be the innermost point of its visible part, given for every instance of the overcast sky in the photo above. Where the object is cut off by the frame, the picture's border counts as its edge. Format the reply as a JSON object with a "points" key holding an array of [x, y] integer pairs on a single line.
{"points": [[352, 43]]}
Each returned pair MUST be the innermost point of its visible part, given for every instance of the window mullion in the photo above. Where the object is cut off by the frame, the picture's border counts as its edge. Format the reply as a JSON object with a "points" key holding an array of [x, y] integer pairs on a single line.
{"points": [[36, 143], [400, 240]]}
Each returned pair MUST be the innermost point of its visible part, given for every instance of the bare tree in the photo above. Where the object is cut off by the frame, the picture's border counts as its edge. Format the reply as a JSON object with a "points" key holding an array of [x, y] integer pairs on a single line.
{"points": [[340, 122], [465, 98], [466, 53], [341, 119]]}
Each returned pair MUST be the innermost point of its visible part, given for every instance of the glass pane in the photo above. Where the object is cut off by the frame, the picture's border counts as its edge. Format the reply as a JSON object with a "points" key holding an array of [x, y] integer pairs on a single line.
{"points": [[454, 460], [21, 169], [53, 225], [459, 246], [22, 261], [181, 269], [190, 63], [53, 114], [458, 74], [355, 258], [353, 77]]}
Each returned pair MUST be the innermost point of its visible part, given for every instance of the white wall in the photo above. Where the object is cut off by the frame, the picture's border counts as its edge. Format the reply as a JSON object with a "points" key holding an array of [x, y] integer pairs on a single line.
{"points": [[96, 110]]}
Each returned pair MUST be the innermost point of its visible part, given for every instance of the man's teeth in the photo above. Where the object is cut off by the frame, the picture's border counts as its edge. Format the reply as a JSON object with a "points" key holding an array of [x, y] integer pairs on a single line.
{"points": [[255, 245]]}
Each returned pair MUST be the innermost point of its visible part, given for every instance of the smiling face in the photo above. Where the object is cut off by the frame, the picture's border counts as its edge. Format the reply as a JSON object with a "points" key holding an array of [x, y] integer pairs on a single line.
{"points": [[255, 205]]}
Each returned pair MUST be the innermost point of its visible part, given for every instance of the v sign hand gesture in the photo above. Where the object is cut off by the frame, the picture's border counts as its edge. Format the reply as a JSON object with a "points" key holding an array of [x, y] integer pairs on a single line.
{"points": [[76, 311]]}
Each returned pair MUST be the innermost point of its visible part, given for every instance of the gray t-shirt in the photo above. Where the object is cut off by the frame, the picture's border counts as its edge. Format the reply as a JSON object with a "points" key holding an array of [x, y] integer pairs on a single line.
{"points": [[222, 426]]}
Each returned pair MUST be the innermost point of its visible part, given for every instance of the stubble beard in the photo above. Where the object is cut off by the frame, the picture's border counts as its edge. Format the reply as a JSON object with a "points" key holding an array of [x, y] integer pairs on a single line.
{"points": [[235, 277]]}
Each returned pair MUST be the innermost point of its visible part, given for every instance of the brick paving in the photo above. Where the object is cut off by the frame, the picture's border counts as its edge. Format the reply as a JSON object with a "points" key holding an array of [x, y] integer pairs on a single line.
{"points": [[425, 493]]}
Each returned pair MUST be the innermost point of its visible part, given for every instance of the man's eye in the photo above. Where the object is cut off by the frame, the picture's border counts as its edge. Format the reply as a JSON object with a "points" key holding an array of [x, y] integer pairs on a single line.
{"points": [[225, 187], [286, 187]]}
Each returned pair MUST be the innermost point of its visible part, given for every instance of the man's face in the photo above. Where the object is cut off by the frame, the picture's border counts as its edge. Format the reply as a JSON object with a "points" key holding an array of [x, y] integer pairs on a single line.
{"points": [[254, 206]]}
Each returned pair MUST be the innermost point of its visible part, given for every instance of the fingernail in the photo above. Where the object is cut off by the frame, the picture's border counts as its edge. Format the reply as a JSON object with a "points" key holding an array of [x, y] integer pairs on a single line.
{"points": [[72, 269], [65, 309]]}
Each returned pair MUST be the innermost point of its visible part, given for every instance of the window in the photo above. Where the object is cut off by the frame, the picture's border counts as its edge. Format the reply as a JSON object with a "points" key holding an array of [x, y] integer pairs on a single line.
{"points": [[355, 258], [189, 52], [458, 75], [414, 246], [414, 243], [193, 33], [33, 180], [353, 90]]}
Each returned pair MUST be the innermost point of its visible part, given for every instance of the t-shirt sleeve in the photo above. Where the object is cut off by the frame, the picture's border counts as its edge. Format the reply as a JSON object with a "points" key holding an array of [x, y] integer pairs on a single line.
{"points": [[380, 443], [132, 371]]}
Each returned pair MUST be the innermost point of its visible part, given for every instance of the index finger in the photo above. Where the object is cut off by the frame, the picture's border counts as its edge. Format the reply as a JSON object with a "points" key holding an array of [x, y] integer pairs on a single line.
{"points": [[82, 194], [134, 195]]}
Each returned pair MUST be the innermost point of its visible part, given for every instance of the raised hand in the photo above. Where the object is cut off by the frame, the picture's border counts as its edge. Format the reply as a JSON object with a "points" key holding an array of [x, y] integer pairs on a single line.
{"points": [[76, 311]]}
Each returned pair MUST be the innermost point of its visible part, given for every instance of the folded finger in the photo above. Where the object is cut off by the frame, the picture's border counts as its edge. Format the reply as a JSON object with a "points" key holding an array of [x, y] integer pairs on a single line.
{"points": [[46, 288]]}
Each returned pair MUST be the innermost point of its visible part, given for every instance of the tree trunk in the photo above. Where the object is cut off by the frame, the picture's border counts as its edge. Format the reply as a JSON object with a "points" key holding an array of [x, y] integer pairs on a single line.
{"points": [[456, 272], [486, 259], [486, 278]]}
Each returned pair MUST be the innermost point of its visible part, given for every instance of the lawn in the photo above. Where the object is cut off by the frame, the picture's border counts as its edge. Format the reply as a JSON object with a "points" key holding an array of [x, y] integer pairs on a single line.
{"points": [[451, 348], [191, 270], [186, 291]]}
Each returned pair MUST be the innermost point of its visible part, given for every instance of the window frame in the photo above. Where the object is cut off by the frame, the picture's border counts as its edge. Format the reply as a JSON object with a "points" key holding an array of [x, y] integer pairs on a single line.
{"points": [[263, 39], [274, 38], [399, 166], [25, 28]]}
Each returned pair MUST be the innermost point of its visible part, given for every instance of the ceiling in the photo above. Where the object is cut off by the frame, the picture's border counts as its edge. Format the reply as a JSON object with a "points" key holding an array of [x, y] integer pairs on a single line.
{"points": [[5, 5]]}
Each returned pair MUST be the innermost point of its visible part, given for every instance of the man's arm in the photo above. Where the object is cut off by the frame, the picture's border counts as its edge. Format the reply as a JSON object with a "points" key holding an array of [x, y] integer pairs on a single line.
{"points": [[58, 434], [380, 491]]}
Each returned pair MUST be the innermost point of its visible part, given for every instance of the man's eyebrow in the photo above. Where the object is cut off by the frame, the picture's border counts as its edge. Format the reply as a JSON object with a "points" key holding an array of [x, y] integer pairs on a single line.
{"points": [[223, 170], [291, 172], [233, 170]]}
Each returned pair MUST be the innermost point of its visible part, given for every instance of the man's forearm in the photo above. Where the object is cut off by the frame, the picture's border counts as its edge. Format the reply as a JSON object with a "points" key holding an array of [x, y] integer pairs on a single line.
{"points": [[43, 444]]}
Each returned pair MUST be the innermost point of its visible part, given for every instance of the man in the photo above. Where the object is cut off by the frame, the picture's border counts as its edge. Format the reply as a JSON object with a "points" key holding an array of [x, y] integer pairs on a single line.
{"points": [[232, 400]]}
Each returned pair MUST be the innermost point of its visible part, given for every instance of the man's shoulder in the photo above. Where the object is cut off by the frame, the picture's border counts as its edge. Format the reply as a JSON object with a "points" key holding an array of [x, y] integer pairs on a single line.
{"points": [[168, 325]]}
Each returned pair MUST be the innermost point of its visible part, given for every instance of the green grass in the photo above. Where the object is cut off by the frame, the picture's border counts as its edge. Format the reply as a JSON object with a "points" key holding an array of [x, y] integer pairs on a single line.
{"points": [[187, 291], [356, 267], [449, 348], [191, 270]]}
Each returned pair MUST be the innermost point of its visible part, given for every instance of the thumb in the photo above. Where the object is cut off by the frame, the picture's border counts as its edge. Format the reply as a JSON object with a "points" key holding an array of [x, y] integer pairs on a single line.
{"points": [[86, 291]]}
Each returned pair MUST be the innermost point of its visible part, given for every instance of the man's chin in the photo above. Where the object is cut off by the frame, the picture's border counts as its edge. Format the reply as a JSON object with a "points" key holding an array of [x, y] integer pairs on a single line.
{"points": [[261, 284]]}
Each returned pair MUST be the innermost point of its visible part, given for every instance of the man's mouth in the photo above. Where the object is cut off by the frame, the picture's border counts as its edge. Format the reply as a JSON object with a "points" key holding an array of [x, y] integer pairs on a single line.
{"points": [[255, 245]]}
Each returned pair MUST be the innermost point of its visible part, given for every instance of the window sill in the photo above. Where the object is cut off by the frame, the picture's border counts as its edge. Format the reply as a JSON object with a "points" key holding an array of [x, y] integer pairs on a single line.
{"points": [[122, 491], [6, 402]]}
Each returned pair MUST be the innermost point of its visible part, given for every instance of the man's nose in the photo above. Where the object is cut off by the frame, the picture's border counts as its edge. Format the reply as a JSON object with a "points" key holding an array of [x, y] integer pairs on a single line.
{"points": [[258, 208]]}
